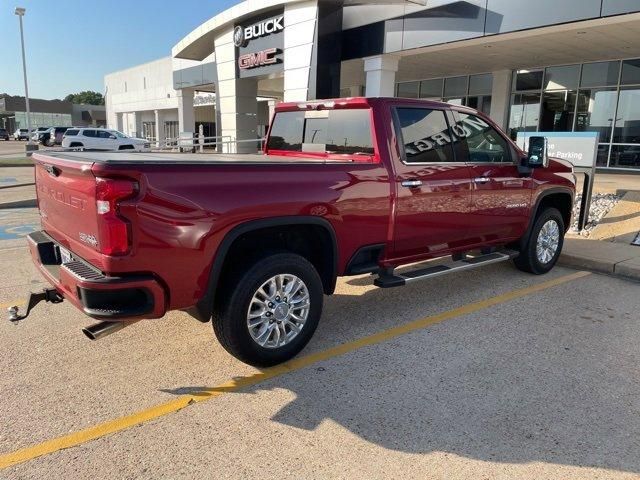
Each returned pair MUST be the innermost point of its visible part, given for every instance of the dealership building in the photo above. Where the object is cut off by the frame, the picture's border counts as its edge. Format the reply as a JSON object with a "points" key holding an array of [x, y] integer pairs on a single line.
{"points": [[548, 65]]}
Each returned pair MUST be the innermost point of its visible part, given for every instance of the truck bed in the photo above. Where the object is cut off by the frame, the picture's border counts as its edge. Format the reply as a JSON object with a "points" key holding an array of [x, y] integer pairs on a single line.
{"points": [[133, 158]]}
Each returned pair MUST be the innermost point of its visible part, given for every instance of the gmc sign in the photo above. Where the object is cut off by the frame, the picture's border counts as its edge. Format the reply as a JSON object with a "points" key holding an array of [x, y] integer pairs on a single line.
{"points": [[258, 59]]}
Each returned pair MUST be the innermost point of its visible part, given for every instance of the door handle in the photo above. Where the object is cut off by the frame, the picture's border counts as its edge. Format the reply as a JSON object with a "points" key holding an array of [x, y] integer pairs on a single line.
{"points": [[412, 183], [481, 180]]}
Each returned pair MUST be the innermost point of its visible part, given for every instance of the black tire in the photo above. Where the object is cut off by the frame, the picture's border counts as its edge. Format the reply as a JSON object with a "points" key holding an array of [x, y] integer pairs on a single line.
{"points": [[230, 316], [528, 260]]}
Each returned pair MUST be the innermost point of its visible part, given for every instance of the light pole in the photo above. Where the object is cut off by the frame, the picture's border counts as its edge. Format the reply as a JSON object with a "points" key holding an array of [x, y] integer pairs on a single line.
{"points": [[20, 11]]}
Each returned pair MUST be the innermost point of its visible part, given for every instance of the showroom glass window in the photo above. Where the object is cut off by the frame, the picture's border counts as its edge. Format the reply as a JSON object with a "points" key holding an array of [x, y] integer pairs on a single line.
{"points": [[596, 105], [558, 107], [601, 97], [473, 90], [525, 101], [625, 149]]}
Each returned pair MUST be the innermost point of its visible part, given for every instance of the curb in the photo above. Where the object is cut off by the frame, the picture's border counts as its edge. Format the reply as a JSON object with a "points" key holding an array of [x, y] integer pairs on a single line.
{"points": [[628, 269], [12, 165], [4, 187], [30, 203]]}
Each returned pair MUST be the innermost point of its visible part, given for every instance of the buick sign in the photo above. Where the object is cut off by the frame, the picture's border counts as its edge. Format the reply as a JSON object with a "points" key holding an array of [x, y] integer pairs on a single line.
{"points": [[238, 37], [242, 36]]}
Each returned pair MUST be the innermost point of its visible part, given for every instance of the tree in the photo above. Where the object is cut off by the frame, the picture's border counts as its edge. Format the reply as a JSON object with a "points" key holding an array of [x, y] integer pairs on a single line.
{"points": [[87, 96]]}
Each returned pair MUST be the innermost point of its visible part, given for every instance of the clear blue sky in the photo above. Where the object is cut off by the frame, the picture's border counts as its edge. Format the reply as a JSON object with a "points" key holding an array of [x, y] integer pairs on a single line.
{"points": [[72, 44]]}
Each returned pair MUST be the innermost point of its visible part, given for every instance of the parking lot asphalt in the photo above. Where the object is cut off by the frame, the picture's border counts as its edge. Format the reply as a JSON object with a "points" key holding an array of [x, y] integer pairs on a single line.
{"points": [[492, 374]]}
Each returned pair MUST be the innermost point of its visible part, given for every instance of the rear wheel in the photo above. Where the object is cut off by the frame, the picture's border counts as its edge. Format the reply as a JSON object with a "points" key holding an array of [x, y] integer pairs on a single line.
{"points": [[544, 244], [271, 311]]}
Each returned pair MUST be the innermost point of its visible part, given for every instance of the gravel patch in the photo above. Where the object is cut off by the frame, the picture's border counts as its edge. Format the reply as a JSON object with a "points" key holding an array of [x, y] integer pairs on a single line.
{"points": [[601, 205]]}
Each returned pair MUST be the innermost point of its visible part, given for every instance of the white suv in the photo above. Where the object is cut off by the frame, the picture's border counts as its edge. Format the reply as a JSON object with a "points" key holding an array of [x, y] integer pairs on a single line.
{"points": [[102, 139]]}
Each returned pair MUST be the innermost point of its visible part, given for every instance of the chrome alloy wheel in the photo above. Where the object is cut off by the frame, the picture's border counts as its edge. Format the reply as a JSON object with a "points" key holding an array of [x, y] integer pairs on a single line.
{"points": [[278, 311], [548, 241]]}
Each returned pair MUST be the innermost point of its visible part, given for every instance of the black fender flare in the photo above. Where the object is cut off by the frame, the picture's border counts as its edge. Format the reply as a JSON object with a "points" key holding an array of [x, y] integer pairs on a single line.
{"points": [[534, 211], [203, 309]]}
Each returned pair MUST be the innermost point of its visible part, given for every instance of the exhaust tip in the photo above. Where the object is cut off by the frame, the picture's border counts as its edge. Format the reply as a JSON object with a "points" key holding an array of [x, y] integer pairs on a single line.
{"points": [[89, 334], [103, 329]]}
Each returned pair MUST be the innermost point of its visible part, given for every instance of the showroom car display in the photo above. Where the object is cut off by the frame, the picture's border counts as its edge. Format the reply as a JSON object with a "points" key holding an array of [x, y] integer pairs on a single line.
{"points": [[253, 241]]}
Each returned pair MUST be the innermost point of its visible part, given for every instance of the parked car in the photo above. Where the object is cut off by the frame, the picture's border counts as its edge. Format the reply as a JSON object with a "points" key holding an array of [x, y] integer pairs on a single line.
{"points": [[4, 135], [102, 139], [55, 135], [35, 136], [43, 137], [21, 134], [253, 242]]}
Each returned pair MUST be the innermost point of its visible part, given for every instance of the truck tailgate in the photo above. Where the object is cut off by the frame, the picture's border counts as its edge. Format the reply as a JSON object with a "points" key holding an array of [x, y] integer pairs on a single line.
{"points": [[66, 198]]}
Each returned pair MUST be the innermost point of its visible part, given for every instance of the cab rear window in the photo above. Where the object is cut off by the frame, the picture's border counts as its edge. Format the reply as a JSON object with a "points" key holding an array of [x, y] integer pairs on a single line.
{"points": [[324, 131]]}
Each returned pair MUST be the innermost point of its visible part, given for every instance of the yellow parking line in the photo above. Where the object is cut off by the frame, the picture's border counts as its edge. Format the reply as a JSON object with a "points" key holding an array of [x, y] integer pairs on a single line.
{"points": [[11, 304], [123, 423]]}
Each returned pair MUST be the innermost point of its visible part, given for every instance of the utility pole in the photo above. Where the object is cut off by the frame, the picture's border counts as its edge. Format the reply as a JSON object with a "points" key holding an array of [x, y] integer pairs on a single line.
{"points": [[20, 11]]}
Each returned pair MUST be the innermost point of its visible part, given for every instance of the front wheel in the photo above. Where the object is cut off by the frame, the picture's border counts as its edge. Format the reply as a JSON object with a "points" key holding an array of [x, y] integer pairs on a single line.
{"points": [[271, 310], [543, 247]]}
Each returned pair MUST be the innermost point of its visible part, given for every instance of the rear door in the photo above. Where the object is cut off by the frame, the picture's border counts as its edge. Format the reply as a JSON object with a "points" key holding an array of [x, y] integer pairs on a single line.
{"points": [[89, 139], [433, 187], [500, 196]]}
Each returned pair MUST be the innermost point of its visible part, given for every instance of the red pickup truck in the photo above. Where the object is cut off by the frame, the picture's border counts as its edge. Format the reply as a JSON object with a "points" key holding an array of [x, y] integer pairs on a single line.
{"points": [[253, 242]]}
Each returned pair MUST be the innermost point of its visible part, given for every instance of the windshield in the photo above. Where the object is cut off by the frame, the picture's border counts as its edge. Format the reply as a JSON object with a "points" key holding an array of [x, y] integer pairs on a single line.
{"points": [[118, 134]]}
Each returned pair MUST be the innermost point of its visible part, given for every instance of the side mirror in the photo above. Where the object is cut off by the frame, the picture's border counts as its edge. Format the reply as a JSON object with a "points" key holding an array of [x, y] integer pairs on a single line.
{"points": [[112, 137], [537, 153]]}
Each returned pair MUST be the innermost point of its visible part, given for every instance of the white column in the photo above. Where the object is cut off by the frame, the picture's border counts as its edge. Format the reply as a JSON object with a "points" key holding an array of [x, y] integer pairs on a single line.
{"points": [[159, 133], [238, 102], [186, 112], [119, 122], [300, 20], [133, 124], [501, 98], [381, 75]]}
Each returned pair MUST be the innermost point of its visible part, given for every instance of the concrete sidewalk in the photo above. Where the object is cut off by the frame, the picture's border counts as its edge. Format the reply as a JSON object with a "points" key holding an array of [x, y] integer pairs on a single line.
{"points": [[618, 259]]}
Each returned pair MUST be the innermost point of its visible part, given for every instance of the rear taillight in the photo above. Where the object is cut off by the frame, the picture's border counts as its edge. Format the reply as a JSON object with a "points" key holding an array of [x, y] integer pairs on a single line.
{"points": [[113, 230]]}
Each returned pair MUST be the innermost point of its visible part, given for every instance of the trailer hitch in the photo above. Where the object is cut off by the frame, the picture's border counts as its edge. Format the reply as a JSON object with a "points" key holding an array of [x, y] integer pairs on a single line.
{"points": [[46, 295]]}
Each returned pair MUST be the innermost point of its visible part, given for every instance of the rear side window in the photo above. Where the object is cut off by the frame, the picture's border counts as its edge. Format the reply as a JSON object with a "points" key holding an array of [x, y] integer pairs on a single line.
{"points": [[425, 134], [89, 133], [325, 131], [71, 133]]}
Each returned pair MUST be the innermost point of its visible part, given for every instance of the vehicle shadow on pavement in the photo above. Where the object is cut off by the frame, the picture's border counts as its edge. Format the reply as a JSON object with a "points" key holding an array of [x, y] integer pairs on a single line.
{"points": [[500, 385]]}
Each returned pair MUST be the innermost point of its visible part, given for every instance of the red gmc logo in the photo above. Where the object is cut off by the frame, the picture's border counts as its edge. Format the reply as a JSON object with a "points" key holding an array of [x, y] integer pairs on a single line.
{"points": [[258, 59]]}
